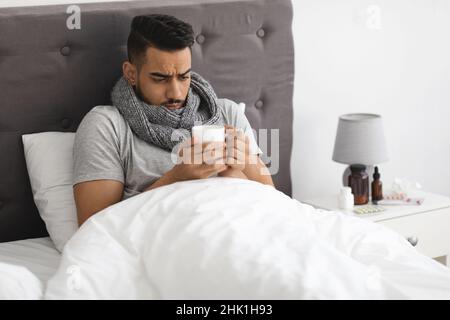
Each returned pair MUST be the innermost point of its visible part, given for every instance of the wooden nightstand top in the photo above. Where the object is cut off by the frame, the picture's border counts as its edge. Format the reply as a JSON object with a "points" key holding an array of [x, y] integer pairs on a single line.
{"points": [[432, 202]]}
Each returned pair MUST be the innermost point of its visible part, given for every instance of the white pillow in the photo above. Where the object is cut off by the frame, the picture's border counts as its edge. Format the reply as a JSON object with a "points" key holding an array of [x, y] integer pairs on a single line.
{"points": [[50, 167]]}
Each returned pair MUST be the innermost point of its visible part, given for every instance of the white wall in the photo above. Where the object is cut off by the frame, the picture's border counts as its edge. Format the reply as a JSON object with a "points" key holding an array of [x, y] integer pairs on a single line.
{"points": [[387, 57], [401, 70]]}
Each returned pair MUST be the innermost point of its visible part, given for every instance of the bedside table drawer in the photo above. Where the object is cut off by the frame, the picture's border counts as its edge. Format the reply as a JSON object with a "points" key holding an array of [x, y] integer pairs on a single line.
{"points": [[432, 229]]}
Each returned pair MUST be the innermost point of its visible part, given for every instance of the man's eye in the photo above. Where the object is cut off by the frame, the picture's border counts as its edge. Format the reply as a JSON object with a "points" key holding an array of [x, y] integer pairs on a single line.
{"points": [[184, 78], [158, 79]]}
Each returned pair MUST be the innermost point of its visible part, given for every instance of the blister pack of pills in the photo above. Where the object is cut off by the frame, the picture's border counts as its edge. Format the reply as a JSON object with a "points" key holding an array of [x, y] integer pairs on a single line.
{"points": [[366, 209]]}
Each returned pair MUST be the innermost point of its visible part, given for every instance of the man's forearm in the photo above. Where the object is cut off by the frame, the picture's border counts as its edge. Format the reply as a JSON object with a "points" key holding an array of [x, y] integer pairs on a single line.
{"points": [[257, 171], [166, 179]]}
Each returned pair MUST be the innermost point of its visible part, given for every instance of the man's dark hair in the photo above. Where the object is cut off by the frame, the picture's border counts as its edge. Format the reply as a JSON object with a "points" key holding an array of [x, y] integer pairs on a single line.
{"points": [[160, 31]]}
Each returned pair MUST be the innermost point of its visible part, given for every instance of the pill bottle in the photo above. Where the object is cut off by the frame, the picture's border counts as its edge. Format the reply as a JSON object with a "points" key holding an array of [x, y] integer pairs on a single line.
{"points": [[345, 199], [358, 181]]}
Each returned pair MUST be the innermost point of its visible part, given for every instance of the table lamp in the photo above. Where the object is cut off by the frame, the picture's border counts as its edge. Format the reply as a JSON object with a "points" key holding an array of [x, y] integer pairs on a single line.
{"points": [[360, 140]]}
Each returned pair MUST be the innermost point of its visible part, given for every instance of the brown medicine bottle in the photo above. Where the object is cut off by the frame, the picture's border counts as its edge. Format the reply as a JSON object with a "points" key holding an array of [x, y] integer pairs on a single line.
{"points": [[358, 180], [377, 187]]}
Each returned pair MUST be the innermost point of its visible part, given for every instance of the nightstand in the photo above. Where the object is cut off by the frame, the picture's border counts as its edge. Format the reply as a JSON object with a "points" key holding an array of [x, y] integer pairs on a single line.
{"points": [[426, 226]]}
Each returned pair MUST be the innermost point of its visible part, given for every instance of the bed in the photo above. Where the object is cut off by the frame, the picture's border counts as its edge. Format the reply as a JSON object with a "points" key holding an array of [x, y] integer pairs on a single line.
{"points": [[61, 73], [38, 255], [216, 238]]}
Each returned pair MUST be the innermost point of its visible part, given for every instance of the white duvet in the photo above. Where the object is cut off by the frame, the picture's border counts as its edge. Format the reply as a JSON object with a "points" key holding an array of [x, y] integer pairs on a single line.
{"points": [[227, 238]]}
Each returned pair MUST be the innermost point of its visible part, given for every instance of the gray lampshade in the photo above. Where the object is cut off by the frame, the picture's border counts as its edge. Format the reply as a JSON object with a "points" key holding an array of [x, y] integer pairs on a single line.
{"points": [[360, 139]]}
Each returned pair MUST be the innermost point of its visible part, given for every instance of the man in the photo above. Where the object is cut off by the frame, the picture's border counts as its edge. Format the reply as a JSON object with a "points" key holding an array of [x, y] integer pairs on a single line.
{"points": [[125, 149]]}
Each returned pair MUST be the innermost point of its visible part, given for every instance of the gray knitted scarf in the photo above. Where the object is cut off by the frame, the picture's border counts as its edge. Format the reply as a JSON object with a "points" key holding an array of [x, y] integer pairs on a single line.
{"points": [[161, 126]]}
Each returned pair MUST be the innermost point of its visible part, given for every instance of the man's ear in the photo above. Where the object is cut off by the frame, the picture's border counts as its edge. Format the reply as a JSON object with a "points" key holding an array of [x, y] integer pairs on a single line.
{"points": [[130, 72]]}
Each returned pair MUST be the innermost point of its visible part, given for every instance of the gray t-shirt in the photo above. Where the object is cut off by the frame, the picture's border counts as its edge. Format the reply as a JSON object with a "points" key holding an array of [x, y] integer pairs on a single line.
{"points": [[105, 147]]}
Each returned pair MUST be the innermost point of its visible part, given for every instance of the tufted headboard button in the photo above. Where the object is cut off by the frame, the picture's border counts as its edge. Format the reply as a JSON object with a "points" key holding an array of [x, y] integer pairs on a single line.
{"points": [[260, 33], [65, 123], [65, 51], [259, 104], [200, 39]]}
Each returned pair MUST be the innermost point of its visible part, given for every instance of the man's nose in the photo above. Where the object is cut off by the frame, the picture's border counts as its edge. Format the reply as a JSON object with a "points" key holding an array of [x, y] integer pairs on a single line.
{"points": [[174, 91]]}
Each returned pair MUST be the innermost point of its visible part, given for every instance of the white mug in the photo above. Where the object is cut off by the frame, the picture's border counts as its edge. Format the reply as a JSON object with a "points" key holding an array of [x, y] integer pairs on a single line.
{"points": [[208, 133]]}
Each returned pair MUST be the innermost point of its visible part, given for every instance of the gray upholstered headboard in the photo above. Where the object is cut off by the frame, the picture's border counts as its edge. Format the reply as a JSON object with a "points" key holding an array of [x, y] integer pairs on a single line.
{"points": [[51, 76]]}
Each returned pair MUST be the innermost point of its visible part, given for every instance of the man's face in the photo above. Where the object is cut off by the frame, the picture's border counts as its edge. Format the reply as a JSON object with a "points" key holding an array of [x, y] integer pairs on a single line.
{"points": [[163, 78]]}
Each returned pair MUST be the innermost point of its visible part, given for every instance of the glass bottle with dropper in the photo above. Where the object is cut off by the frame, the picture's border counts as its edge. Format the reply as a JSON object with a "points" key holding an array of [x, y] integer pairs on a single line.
{"points": [[377, 187]]}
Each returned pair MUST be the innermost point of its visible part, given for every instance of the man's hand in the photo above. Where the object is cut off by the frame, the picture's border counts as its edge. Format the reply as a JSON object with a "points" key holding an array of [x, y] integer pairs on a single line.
{"points": [[238, 148], [196, 161], [240, 157], [200, 161]]}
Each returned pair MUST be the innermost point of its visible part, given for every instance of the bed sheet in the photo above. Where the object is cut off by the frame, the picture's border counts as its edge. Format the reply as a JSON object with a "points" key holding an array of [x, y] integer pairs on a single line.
{"points": [[38, 255]]}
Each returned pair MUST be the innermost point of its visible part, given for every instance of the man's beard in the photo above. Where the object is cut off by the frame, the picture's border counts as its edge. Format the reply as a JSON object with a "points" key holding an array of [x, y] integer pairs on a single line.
{"points": [[140, 96], [138, 93]]}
